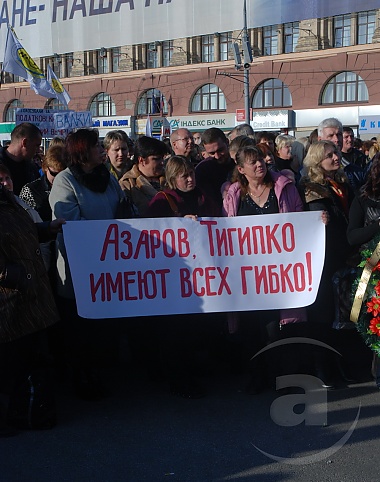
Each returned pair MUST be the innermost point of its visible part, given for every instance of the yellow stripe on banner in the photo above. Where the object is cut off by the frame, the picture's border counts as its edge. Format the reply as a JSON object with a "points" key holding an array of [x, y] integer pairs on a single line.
{"points": [[363, 284]]}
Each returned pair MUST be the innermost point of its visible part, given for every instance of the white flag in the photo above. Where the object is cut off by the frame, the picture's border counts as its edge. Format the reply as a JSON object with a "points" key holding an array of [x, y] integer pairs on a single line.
{"points": [[60, 92], [148, 127], [17, 61]]}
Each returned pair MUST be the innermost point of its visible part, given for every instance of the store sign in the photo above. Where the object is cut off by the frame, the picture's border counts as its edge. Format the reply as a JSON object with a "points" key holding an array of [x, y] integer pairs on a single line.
{"points": [[369, 124], [240, 115], [197, 122], [111, 122], [272, 119], [64, 26]]}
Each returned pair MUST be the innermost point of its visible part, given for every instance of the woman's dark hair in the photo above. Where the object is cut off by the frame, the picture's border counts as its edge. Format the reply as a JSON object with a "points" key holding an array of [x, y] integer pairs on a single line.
{"points": [[149, 146], [372, 186], [78, 146], [249, 153], [5, 170]]}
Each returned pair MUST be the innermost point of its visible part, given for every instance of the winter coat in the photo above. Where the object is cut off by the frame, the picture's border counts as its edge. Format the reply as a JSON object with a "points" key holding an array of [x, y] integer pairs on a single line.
{"points": [[71, 200], [211, 175], [26, 300], [138, 189], [22, 172], [36, 194], [364, 219], [321, 197]]}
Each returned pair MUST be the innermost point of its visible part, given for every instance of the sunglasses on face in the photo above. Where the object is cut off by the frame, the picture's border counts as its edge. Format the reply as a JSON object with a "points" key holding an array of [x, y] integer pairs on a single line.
{"points": [[52, 173]]}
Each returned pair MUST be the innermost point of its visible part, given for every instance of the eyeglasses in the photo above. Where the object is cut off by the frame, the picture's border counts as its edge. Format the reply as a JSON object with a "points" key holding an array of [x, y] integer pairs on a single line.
{"points": [[185, 139], [52, 173]]}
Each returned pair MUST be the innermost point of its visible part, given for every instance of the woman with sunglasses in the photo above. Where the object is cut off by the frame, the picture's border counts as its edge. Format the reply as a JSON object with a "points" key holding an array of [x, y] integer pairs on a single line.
{"points": [[36, 193]]}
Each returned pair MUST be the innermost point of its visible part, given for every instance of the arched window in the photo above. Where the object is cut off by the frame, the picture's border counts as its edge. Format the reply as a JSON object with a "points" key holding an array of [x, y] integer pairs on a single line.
{"points": [[10, 113], [102, 105], [208, 97], [345, 87], [271, 93], [152, 101], [56, 105]]}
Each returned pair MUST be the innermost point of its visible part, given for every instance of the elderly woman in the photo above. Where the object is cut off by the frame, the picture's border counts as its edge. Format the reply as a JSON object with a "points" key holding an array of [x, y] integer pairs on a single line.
{"points": [[183, 198], [85, 190], [141, 183], [326, 188], [260, 191], [117, 150], [284, 152]]}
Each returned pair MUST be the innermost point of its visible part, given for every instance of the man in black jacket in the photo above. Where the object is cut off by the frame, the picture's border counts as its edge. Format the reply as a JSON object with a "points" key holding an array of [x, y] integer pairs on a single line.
{"points": [[25, 143], [350, 155]]}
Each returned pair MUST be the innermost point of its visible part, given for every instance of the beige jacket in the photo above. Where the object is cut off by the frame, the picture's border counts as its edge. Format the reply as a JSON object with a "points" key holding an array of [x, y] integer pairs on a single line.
{"points": [[138, 189]]}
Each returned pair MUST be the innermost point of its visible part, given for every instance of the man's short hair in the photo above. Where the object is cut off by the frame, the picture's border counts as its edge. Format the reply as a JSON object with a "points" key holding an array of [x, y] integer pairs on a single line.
{"points": [[330, 122], [348, 129], [212, 135], [149, 146], [242, 130], [259, 135], [174, 135], [25, 130]]}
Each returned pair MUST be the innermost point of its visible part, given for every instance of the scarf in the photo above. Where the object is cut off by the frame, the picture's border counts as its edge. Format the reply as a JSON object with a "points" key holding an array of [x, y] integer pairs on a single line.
{"points": [[97, 180]]}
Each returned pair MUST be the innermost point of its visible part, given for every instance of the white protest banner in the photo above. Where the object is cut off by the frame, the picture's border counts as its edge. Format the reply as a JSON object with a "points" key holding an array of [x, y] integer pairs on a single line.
{"points": [[70, 120], [123, 268], [43, 119]]}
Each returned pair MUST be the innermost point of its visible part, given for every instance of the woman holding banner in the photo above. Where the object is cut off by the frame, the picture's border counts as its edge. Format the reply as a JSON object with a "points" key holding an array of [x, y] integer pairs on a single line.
{"points": [[259, 191], [182, 198], [84, 191], [180, 336], [326, 188]]}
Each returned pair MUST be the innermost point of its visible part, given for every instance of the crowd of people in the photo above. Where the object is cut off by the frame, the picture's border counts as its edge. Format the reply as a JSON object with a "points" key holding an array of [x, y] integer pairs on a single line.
{"points": [[189, 175]]}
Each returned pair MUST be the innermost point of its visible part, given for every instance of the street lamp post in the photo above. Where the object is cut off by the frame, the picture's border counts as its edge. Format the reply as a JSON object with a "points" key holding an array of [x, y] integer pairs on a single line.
{"points": [[247, 64]]}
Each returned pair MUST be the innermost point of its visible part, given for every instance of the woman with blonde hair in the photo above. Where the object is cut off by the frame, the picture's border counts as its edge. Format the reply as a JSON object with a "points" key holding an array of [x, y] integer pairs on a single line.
{"points": [[182, 197], [117, 151], [325, 187], [180, 336]]}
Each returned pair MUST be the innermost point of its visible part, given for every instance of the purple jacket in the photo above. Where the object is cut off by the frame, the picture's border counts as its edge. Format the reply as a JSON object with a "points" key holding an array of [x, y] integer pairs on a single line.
{"points": [[289, 200]]}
